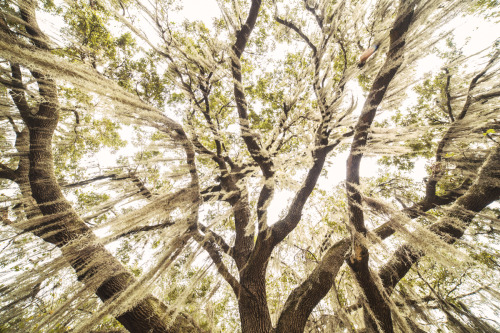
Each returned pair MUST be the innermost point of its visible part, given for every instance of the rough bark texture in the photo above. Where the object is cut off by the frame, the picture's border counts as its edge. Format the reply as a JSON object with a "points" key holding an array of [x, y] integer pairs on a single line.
{"points": [[54, 220], [484, 191], [60, 224], [305, 297], [379, 312]]}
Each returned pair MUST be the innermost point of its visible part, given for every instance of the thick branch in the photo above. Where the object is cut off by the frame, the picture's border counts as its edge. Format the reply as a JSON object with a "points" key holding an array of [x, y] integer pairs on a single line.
{"points": [[6, 172], [254, 148], [303, 299], [375, 97], [484, 191], [267, 240], [360, 255], [62, 226], [283, 227], [18, 90]]}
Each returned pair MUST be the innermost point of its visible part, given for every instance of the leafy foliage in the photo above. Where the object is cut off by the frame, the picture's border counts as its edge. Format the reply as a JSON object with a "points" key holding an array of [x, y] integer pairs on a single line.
{"points": [[201, 166]]}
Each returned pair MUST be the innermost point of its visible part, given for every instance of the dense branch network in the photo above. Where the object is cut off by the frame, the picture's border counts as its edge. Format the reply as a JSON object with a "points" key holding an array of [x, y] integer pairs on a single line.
{"points": [[242, 175]]}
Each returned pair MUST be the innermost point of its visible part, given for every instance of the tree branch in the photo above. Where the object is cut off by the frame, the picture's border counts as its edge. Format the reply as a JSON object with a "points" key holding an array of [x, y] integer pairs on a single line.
{"points": [[292, 26], [283, 227], [218, 239], [61, 225], [113, 176], [256, 151], [145, 228], [17, 92], [208, 244], [7, 173], [478, 196], [473, 84], [375, 97], [312, 10], [379, 310], [448, 96]]}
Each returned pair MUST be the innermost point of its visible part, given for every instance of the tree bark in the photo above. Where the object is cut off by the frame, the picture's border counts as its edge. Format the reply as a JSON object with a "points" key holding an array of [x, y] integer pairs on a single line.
{"points": [[252, 305], [484, 191], [379, 317], [61, 225]]}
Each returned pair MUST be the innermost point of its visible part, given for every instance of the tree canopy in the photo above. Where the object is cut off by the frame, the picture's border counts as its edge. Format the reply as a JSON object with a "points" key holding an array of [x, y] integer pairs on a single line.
{"points": [[283, 166]]}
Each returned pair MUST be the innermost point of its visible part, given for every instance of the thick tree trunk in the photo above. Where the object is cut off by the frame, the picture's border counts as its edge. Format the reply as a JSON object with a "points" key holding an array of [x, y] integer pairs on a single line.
{"points": [[377, 313], [252, 297], [61, 225], [304, 298], [252, 304], [93, 264]]}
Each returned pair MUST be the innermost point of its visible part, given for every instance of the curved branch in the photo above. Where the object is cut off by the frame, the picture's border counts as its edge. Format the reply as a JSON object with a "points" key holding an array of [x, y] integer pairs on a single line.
{"points": [[283, 227], [292, 26], [483, 192], [312, 10], [208, 244], [358, 261], [448, 96], [473, 84], [61, 225], [18, 89], [254, 148], [375, 97], [268, 240]]}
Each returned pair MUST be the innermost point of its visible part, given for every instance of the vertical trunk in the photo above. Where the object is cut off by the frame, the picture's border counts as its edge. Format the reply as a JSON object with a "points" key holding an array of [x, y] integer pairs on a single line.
{"points": [[60, 224], [252, 303], [379, 314]]}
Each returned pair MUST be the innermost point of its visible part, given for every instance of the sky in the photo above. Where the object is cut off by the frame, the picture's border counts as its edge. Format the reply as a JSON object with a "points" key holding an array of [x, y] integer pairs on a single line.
{"points": [[473, 32], [202, 10], [481, 37]]}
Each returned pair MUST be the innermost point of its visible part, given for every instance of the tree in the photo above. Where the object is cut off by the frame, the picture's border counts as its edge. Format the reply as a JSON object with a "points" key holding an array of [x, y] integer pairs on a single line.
{"points": [[400, 253]]}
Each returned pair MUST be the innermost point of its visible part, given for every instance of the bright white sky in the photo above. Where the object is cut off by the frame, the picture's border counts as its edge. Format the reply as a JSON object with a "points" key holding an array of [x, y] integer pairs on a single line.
{"points": [[481, 35], [474, 31], [202, 10]]}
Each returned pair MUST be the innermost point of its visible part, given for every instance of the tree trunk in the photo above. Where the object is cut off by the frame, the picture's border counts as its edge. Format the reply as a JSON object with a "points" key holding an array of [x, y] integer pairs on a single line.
{"points": [[252, 302], [378, 309], [61, 225]]}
